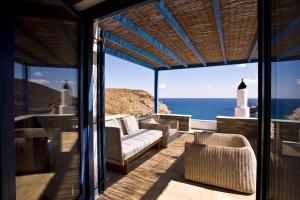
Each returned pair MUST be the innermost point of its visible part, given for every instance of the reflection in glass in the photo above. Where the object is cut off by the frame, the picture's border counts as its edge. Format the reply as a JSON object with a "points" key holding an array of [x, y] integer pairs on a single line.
{"points": [[46, 120], [285, 105]]}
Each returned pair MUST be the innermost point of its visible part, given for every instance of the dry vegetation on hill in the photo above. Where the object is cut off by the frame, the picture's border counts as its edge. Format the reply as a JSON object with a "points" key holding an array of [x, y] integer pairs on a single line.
{"points": [[43, 99], [128, 101]]}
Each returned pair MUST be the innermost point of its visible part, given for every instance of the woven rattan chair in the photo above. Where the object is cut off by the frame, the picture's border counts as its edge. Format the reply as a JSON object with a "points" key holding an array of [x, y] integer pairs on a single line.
{"points": [[223, 160]]}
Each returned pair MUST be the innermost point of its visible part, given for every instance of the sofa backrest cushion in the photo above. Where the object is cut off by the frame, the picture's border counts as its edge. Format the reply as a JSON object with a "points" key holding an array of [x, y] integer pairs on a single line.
{"points": [[114, 123], [131, 124], [122, 125]]}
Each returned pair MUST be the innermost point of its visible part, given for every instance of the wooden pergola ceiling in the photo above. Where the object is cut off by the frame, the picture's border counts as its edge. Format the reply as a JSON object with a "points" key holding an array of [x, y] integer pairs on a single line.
{"points": [[193, 33], [46, 42], [168, 34]]}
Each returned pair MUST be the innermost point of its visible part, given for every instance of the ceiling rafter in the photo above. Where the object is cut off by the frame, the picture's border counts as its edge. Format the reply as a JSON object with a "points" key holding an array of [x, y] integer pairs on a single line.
{"points": [[131, 47], [24, 31], [218, 18], [123, 56], [138, 31], [253, 49], [160, 6]]}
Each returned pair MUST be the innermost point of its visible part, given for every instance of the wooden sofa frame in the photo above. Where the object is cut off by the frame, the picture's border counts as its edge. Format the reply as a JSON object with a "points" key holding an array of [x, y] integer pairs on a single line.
{"points": [[125, 168]]}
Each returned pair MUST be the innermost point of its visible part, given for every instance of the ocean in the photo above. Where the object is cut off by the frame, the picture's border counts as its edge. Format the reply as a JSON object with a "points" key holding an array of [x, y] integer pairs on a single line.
{"points": [[210, 108]]}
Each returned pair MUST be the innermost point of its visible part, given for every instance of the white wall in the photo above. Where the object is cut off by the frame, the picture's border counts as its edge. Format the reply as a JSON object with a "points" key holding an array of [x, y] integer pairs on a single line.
{"points": [[204, 124]]}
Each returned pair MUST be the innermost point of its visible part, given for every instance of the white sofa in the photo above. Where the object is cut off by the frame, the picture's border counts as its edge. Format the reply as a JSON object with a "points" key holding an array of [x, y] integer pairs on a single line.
{"points": [[125, 141], [170, 128]]}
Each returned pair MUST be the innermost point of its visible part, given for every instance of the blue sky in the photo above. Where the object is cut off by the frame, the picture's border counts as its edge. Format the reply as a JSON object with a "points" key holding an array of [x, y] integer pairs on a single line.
{"points": [[213, 82], [208, 82], [51, 77]]}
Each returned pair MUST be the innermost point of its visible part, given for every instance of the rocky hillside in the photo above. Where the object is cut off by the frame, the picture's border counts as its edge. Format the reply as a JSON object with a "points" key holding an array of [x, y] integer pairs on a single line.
{"points": [[127, 101], [43, 99]]}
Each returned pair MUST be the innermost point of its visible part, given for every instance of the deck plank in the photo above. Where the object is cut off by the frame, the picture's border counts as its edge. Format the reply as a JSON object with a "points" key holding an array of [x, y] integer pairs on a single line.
{"points": [[154, 175]]}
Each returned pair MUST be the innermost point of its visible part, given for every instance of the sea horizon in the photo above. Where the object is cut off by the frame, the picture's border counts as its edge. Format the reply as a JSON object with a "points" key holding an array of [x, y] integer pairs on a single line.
{"points": [[217, 98], [210, 108]]}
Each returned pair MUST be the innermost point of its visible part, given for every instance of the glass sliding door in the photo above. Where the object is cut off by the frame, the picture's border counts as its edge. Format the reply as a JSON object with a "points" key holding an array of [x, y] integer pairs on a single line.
{"points": [[284, 164], [46, 98]]}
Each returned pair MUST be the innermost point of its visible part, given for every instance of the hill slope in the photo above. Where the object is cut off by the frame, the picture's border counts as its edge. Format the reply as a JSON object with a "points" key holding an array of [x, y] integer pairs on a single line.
{"points": [[43, 99], [128, 101]]}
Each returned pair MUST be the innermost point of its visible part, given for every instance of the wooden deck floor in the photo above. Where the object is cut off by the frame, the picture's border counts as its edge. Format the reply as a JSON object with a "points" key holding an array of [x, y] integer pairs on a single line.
{"points": [[159, 175]]}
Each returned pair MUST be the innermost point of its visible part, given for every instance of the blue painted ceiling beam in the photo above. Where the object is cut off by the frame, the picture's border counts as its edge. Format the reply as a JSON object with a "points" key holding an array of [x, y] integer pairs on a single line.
{"points": [[290, 52], [123, 20], [286, 30], [131, 47], [218, 19], [177, 28], [212, 64], [126, 57], [253, 49]]}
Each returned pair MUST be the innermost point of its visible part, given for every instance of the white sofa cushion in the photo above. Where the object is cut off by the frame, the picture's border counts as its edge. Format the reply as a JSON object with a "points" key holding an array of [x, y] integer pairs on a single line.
{"points": [[114, 123], [131, 124], [134, 143]]}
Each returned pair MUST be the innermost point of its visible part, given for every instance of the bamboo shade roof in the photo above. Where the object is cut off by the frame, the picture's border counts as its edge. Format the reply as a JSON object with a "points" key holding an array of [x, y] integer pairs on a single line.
{"points": [[46, 42], [219, 31], [198, 21]]}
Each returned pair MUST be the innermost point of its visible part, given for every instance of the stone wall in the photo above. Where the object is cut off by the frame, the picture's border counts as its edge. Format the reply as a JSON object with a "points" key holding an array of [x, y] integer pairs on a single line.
{"points": [[184, 120], [280, 129], [243, 126], [288, 130]]}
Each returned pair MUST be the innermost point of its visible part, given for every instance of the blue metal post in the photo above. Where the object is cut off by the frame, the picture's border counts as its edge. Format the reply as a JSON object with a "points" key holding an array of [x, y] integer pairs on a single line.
{"points": [[101, 112], [156, 103]]}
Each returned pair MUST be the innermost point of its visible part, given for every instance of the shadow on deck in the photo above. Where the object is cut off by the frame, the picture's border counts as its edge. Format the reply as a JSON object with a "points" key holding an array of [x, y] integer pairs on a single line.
{"points": [[159, 175]]}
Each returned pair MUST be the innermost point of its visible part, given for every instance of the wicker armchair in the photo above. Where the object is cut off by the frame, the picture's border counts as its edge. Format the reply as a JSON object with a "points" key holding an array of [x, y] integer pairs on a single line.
{"points": [[223, 160]]}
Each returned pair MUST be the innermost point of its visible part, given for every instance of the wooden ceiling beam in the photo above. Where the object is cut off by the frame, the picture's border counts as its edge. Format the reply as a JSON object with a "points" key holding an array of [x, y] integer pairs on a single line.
{"points": [[138, 31], [37, 42], [289, 52], [29, 55], [110, 8], [253, 49], [160, 6], [133, 48], [128, 58], [61, 30], [286, 30], [218, 19], [36, 10]]}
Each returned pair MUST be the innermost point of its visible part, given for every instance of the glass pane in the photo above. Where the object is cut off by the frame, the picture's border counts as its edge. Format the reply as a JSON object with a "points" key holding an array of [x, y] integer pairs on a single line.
{"points": [[19, 89], [285, 104], [46, 96]]}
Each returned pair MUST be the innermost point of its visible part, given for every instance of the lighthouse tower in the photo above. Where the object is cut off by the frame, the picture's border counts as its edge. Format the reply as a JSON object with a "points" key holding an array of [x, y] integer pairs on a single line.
{"points": [[66, 106], [242, 109]]}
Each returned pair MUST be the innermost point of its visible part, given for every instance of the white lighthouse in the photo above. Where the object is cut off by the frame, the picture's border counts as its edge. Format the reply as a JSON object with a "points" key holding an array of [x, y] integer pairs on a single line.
{"points": [[66, 106], [242, 109]]}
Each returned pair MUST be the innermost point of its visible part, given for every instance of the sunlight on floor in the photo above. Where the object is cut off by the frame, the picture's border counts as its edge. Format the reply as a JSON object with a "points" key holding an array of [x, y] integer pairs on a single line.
{"points": [[159, 175]]}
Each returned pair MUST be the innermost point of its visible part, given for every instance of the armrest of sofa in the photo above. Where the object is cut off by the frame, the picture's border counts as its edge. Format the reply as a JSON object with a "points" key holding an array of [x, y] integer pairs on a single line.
{"points": [[162, 127], [114, 144], [174, 124]]}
